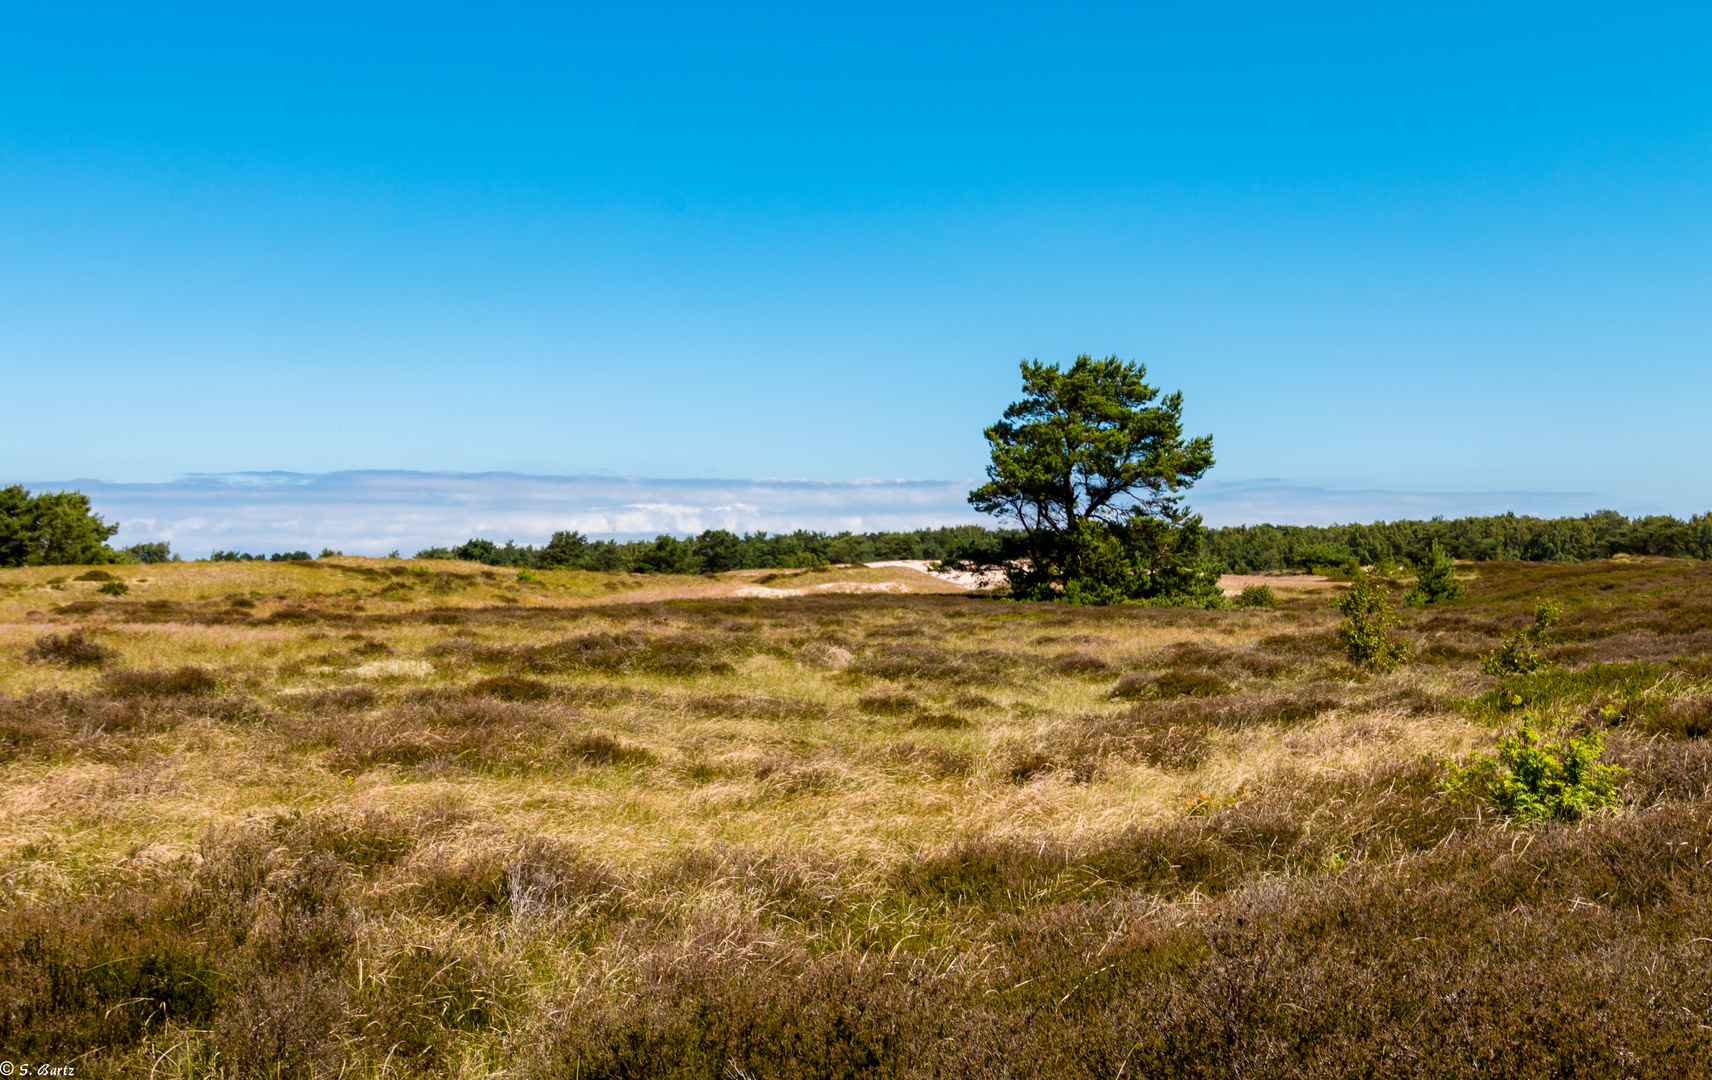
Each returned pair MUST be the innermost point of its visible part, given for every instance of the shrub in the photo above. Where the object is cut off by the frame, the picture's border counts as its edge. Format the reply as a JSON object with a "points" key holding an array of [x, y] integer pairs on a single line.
{"points": [[187, 680], [291, 556], [939, 722], [1519, 655], [73, 650], [1319, 558], [885, 704], [1435, 580], [1189, 684], [114, 588], [1367, 620], [157, 552], [1535, 780], [1690, 719], [1260, 596]]}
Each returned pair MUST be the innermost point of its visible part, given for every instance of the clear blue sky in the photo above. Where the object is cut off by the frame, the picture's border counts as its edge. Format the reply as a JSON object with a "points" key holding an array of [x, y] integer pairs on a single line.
{"points": [[1460, 248]]}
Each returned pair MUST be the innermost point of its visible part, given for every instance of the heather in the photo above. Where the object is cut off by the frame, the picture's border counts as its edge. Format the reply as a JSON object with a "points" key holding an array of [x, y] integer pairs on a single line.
{"points": [[433, 818]]}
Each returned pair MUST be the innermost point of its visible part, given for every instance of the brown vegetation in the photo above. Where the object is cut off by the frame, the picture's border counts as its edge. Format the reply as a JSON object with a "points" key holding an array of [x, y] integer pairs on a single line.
{"points": [[447, 831]]}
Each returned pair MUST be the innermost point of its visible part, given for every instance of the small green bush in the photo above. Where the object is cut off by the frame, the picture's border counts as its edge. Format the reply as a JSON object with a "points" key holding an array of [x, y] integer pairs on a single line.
{"points": [[1435, 580], [1365, 630], [1323, 558], [157, 552], [1533, 779], [1519, 655], [114, 588], [1260, 596]]}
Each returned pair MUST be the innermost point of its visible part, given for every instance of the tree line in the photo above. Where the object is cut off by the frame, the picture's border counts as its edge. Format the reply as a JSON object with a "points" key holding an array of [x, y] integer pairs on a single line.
{"points": [[1088, 476], [1236, 549], [718, 550], [1246, 549]]}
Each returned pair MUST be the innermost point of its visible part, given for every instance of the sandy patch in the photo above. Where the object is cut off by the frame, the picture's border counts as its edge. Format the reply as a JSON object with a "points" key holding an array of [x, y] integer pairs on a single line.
{"points": [[967, 579], [830, 587], [1232, 584]]}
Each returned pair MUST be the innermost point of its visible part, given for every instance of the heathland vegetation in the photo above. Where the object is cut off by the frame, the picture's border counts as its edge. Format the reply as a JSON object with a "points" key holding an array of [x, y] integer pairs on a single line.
{"points": [[415, 817], [525, 812]]}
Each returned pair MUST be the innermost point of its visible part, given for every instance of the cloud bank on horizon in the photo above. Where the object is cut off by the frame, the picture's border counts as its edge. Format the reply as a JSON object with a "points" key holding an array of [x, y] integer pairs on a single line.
{"points": [[373, 512]]}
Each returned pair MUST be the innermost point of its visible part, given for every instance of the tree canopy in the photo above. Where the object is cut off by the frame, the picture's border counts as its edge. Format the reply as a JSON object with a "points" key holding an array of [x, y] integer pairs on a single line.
{"points": [[55, 528], [1090, 465]]}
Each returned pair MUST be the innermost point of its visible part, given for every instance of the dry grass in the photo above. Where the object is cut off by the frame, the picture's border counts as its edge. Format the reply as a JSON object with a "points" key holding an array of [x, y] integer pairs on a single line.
{"points": [[287, 819]]}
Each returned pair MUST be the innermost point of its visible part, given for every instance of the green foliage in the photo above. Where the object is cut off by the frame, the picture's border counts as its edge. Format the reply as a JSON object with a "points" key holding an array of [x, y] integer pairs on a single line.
{"points": [[666, 555], [329, 553], [1631, 688], [1520, 652], [1259, 596], [573, 551], [55, 528], [565, 549], [1321, 558], [279, 556], [1435, 580], [157, 552], [1089, 465], [482, 551], [1365, 630], [1534, 779], [1248, 549], [717, 551], [114, 588]]}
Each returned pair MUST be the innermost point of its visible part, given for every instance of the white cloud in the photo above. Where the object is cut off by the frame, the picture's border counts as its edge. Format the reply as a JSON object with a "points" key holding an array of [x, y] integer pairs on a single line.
{"points": [[373, 512]]}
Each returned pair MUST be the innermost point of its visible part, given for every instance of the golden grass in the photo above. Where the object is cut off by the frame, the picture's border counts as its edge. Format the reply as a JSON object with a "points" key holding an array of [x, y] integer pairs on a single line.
{"points": [[840, 740], [774, 783]]}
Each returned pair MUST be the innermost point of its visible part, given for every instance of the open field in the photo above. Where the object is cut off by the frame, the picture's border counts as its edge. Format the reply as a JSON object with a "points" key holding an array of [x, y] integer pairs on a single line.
{"points": [[428, 818]]}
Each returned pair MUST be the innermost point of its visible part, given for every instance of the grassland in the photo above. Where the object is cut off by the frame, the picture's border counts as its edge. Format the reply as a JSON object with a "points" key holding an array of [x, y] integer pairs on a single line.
{"points": [[397, 818]]}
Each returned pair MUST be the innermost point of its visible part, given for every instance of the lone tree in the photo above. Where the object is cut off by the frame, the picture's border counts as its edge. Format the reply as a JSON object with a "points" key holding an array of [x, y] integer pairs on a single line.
{"points": [[55, 528], [1435, 579], [1090, 465]]}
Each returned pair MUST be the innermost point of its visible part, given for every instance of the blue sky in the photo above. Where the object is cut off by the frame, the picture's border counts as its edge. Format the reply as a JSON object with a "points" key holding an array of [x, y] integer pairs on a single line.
{"points": [[1453, 249]]}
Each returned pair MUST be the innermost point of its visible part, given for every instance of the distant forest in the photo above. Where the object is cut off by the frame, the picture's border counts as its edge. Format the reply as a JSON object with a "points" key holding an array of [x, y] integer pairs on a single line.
{"points": [[1241, 549], [717, 550], [1251, 548]]}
